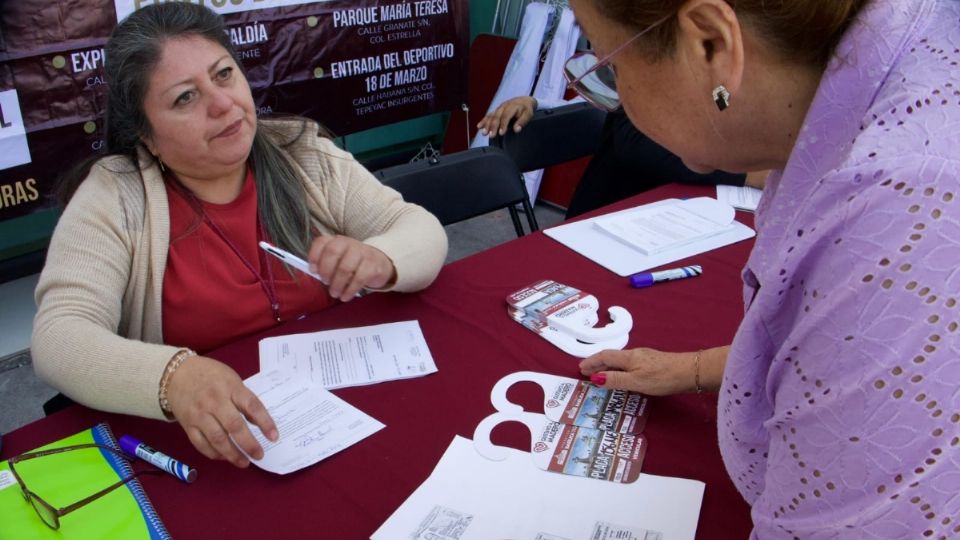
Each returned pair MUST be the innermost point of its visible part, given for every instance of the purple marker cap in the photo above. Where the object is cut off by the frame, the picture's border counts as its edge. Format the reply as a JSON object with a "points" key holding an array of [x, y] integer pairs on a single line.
{"points": [[641, 280], [129, 445]]}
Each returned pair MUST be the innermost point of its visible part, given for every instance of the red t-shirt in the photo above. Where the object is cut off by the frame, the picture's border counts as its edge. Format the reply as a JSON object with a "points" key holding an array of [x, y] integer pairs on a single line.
{"points": [[210, 297]]}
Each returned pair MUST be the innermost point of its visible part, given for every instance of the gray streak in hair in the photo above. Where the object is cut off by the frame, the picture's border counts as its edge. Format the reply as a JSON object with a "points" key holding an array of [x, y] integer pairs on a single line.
{"points": [[132, 53]]}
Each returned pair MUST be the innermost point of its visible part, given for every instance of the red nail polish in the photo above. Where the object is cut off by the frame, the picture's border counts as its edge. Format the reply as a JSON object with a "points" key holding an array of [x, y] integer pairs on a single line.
{"points": [[598, 379]]}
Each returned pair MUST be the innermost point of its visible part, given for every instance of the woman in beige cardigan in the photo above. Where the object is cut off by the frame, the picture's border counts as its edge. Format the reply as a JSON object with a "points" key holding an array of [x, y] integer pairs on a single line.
{"points": [[156, 252]]}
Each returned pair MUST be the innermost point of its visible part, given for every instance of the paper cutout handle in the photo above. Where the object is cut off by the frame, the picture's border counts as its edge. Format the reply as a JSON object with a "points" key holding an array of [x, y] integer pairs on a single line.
{"points": [[621, 325], [498, 396], [481, 435], [574, 347]]}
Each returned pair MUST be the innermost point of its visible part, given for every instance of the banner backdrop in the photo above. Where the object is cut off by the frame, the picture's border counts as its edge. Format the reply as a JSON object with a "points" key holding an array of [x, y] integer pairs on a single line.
{"points": [[350, 64]]}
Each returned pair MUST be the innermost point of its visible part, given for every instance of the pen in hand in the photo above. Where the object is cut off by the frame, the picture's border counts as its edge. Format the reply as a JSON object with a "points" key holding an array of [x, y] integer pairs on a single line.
{"points": [[295, 262], [291, 259]]}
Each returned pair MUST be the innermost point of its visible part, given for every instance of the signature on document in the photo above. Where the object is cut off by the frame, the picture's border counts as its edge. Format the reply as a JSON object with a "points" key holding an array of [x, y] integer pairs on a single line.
{"points": [[308, 439]]}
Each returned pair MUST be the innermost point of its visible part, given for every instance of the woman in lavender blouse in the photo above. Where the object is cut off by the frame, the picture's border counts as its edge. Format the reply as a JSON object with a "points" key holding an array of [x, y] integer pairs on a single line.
{"points": [[839, 411]]}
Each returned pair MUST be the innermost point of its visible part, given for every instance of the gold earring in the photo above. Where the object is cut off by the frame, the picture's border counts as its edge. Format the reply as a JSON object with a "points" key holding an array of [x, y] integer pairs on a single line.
{"points": [[721, 97]]}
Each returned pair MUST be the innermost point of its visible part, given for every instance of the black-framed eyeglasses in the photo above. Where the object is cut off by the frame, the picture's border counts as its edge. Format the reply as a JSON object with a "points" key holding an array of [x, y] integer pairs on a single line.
{"points": [[595, 79], [49, 514]]}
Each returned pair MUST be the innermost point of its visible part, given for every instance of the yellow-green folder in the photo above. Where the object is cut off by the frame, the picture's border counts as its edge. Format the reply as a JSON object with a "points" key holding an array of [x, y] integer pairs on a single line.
{"points": [[62, 479]]}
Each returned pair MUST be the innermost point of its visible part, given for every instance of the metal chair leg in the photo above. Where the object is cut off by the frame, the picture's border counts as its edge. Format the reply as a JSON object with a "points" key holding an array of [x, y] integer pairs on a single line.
{"points": [[515, 216], [531, 217]]}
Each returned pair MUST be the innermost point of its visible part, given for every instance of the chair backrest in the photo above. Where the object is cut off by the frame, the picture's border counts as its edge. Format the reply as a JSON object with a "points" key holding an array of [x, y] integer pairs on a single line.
{"points": [[459, 186], [554, 136]]}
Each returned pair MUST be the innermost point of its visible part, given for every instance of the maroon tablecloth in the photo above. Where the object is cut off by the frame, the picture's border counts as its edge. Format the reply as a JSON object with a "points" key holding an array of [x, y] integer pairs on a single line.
{"points": [[474, 344]]}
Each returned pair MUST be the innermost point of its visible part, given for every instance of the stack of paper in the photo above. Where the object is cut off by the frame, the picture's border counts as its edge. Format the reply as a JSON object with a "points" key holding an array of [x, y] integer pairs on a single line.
{"points": [[653, 235], [655, 230], [745, 197]]}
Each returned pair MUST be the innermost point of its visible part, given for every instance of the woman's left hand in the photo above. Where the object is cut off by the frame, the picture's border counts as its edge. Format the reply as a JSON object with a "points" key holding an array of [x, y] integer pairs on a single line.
{"points": [[657, 373], [348, 265], [648, 371]]}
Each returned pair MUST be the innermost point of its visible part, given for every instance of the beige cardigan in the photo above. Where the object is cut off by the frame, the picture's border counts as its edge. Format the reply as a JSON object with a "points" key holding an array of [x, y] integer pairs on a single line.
{"points": [[97, 336]]}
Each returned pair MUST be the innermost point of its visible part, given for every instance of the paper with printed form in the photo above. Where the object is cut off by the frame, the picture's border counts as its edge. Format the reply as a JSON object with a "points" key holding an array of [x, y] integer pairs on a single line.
{"points": [[589, 240], [313, 423], [655, 229], [351, 356], [745, 197], [468, 497]]}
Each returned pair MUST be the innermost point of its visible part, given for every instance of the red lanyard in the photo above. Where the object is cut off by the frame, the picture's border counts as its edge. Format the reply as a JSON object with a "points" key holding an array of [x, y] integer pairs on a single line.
{"points": [[268, 285]]}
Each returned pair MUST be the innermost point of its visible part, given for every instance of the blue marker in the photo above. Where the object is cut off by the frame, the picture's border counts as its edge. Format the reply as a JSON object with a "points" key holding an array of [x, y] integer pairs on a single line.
{"points": [[646, 279], [158, 459]]}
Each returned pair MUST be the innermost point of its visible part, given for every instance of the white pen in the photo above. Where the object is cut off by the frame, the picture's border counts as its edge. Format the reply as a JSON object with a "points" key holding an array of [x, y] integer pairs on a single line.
{"points": [[291, 259], [296, 262]]}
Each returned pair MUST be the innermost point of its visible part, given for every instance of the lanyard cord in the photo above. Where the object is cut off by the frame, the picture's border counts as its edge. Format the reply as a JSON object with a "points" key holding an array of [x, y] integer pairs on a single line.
{"points": [[268, 285]]}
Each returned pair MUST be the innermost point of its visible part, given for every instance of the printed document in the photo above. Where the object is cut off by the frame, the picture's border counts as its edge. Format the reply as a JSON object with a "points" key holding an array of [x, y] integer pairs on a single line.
{"points": [[468, 497], [745, 198], [313, 423], [653, 230], [351, 356], [621, 258]]}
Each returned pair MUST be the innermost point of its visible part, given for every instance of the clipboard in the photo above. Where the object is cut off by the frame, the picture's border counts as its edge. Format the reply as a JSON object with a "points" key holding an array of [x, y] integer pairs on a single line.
{"points": [[587, 240]]}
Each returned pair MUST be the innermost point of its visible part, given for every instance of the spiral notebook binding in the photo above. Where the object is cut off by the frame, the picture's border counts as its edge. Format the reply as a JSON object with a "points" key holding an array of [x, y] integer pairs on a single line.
{"points": [[102, 434]]}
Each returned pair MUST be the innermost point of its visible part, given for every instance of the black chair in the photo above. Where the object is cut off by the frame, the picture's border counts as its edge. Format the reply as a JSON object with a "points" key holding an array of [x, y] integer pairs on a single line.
{"points": [[463, 185], [56, 403], [553, 136]]}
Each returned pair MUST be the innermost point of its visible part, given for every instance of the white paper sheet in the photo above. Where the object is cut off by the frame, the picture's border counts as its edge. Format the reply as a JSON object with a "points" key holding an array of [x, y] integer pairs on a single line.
{"points": [[745, 198], [601, 248], [658, 229], [313, 423], [468, 497], [351, 356], [7, 480]]}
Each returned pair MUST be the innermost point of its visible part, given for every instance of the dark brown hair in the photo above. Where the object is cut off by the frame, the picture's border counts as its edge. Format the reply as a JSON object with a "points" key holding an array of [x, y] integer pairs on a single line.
{"points": [[803, 31]]}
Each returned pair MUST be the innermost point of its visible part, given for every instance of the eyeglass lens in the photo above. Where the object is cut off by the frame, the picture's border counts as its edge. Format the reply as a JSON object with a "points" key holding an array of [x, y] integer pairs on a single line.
{"points": [[47, 514], [598, 86]]}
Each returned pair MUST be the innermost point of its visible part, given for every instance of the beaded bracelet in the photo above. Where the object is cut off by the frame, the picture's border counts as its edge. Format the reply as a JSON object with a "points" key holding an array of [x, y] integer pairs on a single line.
{"points": [[172, 366], [696, 377]]}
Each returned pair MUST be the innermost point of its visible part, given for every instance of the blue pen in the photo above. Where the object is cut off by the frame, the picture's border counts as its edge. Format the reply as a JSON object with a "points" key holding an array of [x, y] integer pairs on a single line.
{"points": [[160, 460], [646, 279]]}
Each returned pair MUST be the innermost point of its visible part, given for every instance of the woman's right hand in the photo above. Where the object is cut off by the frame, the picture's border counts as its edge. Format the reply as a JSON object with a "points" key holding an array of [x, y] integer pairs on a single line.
{"points": [[520, 108], [210, 401]]}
